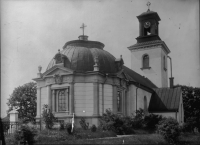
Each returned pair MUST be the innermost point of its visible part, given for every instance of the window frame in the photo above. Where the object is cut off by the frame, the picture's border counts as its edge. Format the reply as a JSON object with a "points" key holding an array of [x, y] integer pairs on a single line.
{"points": [[164, 63], [67, 97], [144, 66], [119, 103]]}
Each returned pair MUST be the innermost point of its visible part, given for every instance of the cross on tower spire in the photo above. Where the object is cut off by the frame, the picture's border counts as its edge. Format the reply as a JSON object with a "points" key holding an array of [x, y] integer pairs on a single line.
{"points": [[148, 4], [83, 27]]}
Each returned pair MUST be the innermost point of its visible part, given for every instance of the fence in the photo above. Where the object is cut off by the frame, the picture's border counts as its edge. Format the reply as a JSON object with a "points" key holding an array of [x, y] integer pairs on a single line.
{"points": [[10, 127]]}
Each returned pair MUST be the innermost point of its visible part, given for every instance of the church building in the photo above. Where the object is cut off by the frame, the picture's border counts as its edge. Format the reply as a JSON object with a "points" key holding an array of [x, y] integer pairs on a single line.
{"points": [[84, 79]]}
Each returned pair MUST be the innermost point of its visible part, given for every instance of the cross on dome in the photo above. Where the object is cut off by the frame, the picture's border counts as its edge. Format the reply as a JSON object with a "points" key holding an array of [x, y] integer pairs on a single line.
{"points": [[83, 27], [148, 4]]}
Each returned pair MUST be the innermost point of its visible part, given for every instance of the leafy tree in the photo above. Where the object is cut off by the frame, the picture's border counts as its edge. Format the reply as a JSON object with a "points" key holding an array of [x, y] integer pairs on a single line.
{"points": [[191, 101], [23, 99]]}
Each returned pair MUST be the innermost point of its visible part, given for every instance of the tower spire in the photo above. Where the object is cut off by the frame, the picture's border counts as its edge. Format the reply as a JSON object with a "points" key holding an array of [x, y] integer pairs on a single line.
{"points": [[148, 4]]}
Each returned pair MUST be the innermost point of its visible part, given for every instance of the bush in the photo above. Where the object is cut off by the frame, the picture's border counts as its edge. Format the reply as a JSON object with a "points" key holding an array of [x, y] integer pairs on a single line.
{"points": [[25, 134], [62, 125], [116, 123], [69, 128], [48, 117], [152, 120], [169, 129], [190, 124], [93, 128], [83, 124], [138, 120]]}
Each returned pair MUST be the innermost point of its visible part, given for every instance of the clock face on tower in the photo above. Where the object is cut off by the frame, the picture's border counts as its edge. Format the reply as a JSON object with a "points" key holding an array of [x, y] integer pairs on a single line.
{"points": [[147, 24]]}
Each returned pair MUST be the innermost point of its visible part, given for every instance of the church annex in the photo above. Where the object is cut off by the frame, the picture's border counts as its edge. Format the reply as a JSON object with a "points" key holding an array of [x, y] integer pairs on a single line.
{"points": [[84, 79]]}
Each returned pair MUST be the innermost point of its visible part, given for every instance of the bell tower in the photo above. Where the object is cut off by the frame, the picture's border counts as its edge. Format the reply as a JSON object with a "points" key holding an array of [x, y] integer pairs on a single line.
{"points": [[149, 54]]}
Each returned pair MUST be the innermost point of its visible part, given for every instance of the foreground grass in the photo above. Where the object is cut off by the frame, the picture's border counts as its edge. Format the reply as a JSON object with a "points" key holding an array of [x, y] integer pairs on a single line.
{"points": [[88, 137]]}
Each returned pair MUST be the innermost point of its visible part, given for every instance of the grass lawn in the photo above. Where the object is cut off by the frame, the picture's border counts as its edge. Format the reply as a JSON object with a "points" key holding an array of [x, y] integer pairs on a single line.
{"points": [[88, 137]]}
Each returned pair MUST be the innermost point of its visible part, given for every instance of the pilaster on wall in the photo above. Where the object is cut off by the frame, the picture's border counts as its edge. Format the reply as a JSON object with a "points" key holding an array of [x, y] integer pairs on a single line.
{"points": [[96, 99], [53, 101], [71, 98], [49, 97], [102, 98], [114, 99], [38, 102]]}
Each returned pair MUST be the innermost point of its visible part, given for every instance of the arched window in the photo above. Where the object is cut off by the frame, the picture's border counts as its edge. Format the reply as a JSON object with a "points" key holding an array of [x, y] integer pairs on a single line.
{"points": [[119, 101], [60, 99], [145, 105], [145, 61], [164, 63]]}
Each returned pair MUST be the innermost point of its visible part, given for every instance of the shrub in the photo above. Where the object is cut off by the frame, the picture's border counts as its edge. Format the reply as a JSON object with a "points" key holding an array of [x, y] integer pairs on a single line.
{"points": [[25, 134], [69, 128], [93, 128], [138, 120], [116, 123], [169, 129], [62, 125], [190, 124], [48, 117], [83, 124], [152, 120]]}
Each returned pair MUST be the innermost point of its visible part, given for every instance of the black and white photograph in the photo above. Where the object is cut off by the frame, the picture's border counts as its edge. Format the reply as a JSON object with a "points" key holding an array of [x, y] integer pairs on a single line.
{"points": [[100, 72]]}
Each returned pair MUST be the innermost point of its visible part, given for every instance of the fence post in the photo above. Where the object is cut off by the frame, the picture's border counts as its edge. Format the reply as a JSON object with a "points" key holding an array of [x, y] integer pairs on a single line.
{"points": [[13, 120]]}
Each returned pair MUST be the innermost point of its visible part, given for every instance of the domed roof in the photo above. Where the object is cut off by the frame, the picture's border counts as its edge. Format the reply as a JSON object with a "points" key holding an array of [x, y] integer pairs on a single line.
{"points": [[80, 55]]}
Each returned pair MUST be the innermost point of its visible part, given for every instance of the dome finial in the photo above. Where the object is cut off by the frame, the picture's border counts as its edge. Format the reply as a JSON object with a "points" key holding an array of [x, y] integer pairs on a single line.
{"points": [[148, 4]]}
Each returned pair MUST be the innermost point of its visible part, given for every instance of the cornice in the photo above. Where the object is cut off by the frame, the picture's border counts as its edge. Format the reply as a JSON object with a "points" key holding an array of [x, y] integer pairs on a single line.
{"points": [[150, 45]]}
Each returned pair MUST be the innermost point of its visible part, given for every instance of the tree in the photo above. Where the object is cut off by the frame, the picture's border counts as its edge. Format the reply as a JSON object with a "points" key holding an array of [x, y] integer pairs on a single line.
{"points": [[23, 99], [191, 101]]}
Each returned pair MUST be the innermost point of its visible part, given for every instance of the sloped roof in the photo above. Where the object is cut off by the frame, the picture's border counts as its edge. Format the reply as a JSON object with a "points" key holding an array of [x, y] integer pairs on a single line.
{"points": [[133, 76], [165, 100]]}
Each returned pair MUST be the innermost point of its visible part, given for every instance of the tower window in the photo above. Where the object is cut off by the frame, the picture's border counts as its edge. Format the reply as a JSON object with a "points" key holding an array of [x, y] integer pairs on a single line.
{"points": [[164, 63], [145, 61]]}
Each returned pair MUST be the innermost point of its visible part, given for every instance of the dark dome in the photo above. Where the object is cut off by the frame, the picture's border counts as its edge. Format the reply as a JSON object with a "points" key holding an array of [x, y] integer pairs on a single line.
{"points": [[80, 56]]}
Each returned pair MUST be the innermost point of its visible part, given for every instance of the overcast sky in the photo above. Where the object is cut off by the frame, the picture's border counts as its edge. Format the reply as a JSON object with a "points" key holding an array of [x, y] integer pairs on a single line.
{"points": [[33, 31]]}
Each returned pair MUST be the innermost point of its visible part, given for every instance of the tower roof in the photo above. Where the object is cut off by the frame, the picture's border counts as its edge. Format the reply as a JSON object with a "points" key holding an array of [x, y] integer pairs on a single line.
{"points": [[149, 14]]}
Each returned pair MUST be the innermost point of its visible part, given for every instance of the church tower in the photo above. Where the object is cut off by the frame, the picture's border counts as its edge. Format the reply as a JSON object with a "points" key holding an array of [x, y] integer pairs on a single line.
{"points": [[149, 54]]}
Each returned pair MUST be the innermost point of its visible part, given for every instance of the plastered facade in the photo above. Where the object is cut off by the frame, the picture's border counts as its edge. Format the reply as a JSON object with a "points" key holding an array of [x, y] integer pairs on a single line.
{"points": [[156, 73]]}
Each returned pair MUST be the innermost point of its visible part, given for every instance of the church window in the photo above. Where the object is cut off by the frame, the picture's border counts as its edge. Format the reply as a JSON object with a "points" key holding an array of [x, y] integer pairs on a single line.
{"points": [[164, 63], [145, 105], [62, 100], [119, 101], [145, 61]]}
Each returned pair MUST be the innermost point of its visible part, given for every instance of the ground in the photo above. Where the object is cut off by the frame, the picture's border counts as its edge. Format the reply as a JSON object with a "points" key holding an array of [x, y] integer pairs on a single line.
{"points": [[88, 137]]}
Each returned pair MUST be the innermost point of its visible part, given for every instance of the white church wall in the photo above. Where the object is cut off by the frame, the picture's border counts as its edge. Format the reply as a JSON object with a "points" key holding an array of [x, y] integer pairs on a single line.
{"points": [[108, 96], [181, 111], [155, 62], [83, 99], [44, 97], [164, 72], [131, 99], [140, 98]]}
